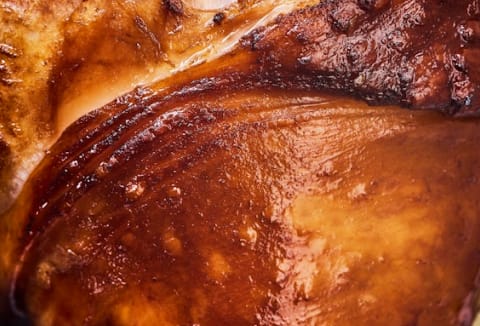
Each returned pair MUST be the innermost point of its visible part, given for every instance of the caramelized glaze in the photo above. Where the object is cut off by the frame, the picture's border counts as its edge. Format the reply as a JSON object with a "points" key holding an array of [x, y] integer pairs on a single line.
{"points": [[251, 207], [57, 63], [236, 192], [61, 60]]}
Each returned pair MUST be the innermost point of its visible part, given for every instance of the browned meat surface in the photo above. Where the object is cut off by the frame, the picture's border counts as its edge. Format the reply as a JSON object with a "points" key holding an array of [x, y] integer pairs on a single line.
{"points": [[61, 59], [249, 207], [423, 54], [248, 190]]}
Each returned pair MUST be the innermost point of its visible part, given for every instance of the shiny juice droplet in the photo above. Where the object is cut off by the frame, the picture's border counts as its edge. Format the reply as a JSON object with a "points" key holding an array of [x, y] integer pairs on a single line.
{"points": [[174, 192], [134, 190]]}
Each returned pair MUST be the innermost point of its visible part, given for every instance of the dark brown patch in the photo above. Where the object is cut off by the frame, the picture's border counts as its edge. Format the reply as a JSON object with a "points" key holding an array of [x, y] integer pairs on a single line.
{"points": [[174, 6], [218, 18]]}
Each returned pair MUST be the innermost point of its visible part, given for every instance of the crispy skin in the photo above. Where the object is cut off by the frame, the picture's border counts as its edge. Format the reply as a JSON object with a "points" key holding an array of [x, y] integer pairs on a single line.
{"points": [[422, 54]]}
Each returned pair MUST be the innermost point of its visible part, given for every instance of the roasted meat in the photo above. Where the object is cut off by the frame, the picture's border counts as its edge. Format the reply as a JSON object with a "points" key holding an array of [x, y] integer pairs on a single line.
{"points": [[61, 59], [422, 54], [249, 207], [262, 187]]}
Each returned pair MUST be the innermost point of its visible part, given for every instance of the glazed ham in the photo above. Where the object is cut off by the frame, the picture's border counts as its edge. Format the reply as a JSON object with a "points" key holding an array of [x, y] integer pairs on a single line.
{"points": [[265, 184]]}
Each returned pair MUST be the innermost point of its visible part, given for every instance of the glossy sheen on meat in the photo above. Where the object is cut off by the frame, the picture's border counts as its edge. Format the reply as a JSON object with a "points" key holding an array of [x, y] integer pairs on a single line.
{"points": [[62, 59], [249, 207], [56, 63], [238, 193]]}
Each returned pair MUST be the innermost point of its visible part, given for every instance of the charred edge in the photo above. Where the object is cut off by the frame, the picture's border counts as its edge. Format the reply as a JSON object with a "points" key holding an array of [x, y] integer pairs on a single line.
{"points": [[218, 18], [174, 6]]}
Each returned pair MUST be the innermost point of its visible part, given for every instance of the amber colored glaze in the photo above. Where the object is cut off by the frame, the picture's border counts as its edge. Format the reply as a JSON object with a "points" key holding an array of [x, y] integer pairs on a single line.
{"points": [[237, 193], [252, 207], [62, 59]]}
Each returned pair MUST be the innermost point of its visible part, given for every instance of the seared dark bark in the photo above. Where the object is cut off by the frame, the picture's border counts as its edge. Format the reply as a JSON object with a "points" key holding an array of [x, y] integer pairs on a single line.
{"points": [[422, 54]]}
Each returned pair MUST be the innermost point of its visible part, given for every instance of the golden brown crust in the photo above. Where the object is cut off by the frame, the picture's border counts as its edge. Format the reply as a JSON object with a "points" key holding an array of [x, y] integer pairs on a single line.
{"points": [[24, 73]]}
